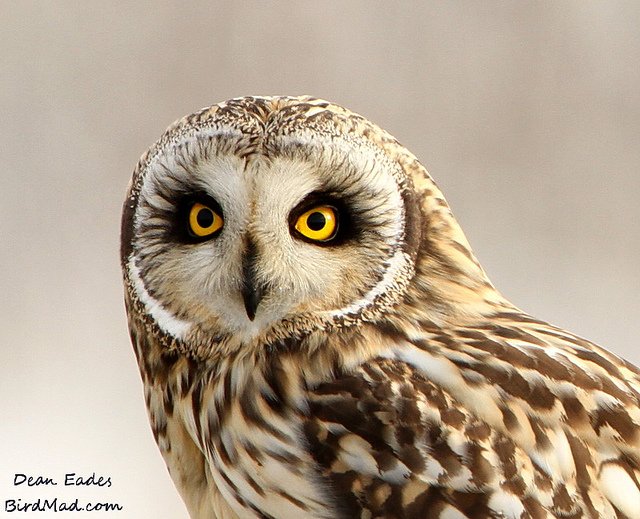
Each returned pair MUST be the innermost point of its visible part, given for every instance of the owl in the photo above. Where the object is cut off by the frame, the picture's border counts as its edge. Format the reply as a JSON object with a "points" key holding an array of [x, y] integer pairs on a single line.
{"points": [[316, 338]]}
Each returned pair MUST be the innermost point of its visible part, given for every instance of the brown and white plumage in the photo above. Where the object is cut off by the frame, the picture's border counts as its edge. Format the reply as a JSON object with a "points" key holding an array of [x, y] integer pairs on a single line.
{"points": [[378, 375]]}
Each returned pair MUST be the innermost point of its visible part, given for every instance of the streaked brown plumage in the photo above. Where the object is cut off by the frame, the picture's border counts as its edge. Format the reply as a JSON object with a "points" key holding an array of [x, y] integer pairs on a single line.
{"points": [[382, 375]]}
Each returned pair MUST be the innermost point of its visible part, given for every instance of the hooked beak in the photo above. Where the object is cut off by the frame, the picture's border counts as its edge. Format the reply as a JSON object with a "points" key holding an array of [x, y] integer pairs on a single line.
{"points": [[252, 291]]}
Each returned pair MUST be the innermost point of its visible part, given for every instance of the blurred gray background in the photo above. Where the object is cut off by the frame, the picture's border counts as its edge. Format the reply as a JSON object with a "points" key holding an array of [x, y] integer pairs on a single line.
{"points": [[527, 114]]}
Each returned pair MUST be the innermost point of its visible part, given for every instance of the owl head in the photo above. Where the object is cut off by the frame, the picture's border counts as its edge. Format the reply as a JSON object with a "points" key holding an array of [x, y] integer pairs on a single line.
{"points": [[263, 219]]}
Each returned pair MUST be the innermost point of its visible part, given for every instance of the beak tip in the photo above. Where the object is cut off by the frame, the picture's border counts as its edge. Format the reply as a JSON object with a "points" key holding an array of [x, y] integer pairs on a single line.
{"points": [[252, 291], [251, 302]]}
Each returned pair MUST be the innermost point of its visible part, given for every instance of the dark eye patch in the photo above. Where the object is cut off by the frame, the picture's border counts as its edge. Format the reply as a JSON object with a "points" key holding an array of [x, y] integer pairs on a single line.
{"points": [[180, 229], [347, 228]]}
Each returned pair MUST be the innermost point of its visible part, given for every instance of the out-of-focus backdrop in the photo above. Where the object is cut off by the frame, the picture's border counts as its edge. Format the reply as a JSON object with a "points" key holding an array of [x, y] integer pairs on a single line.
{"points": [[527, 114]]}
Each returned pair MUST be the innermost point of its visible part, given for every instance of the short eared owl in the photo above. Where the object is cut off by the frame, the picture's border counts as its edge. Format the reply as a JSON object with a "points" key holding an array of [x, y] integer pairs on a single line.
{"points": [[317, 340]]}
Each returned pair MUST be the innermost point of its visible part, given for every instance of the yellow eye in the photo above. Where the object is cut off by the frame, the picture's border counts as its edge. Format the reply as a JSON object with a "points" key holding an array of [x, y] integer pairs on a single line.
{"points": [[319, 223], [204, 221]]}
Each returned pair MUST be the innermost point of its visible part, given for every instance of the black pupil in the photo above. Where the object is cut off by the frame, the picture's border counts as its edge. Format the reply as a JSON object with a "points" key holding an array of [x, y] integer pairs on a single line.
{"points": [[316, 221], [205, 218]]}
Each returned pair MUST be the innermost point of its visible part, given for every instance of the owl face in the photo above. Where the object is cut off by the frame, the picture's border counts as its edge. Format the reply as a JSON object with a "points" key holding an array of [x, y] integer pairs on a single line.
{"points": [[253, 223]]}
